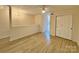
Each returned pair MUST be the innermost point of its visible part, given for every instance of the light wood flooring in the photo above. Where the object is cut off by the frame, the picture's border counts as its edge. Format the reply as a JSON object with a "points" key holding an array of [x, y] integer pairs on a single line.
{"points": [[37, 44]]}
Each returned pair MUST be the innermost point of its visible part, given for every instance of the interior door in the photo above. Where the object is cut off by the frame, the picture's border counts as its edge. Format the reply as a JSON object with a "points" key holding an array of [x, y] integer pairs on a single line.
{"points": [[64, 26]]}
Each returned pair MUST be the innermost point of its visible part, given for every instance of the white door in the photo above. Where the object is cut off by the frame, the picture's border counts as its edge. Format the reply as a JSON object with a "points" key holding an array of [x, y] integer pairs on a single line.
{"points": [[64, 26]]}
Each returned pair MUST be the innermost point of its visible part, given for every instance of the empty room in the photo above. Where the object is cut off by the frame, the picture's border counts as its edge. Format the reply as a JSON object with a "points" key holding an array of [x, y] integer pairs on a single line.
{"points": [[39, 29]]}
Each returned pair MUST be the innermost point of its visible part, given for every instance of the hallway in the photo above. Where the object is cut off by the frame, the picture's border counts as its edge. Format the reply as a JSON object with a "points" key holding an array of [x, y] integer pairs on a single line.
{"points": [[36, 43]]}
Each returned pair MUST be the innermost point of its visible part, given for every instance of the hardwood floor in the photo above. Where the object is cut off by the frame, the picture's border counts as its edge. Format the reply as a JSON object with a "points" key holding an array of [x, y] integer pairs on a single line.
{"points": [[37, 44]]}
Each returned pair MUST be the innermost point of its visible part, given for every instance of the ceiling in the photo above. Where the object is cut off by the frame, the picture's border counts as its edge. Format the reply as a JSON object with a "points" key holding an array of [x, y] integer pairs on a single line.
{"points": [[36, 9]]}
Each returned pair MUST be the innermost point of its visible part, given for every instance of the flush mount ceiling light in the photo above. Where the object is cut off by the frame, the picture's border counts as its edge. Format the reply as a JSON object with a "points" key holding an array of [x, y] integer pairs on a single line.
{"points": [[44, 9]]}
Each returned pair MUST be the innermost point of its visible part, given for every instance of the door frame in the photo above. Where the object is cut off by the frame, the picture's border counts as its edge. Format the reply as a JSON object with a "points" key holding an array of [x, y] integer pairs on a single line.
{"points": [[56, 25]]}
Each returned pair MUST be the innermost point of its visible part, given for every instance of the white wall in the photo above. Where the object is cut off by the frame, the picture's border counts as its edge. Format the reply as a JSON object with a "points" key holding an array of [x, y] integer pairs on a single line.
{"points": [[39, 21], [4, 22], [23, 31], [76, 27], [21, 18], [23, 24], [52, 25]]}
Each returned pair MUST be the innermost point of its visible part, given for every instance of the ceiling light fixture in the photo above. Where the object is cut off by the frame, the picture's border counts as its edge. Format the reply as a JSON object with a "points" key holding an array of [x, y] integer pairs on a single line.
{"points": [[43, 9]]}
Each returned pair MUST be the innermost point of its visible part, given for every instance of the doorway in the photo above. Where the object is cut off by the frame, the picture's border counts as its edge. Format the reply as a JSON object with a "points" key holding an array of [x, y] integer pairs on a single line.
{"points": [[46, 26], [64, 26]]}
